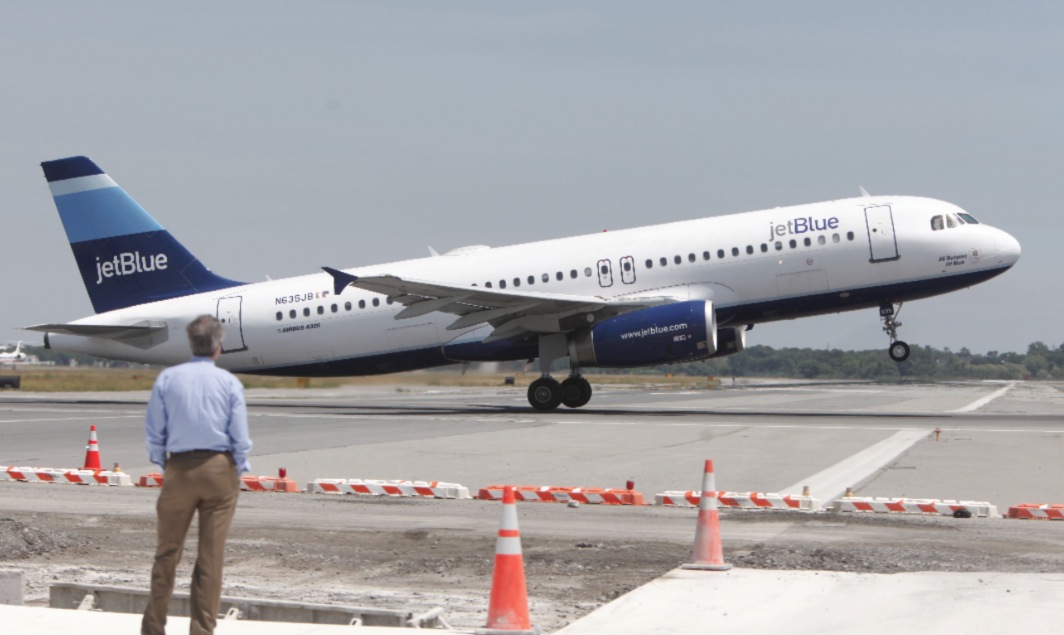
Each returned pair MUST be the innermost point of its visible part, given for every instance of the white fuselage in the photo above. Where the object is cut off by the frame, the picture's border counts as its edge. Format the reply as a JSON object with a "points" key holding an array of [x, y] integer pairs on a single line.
{"points": [[777, 264]]}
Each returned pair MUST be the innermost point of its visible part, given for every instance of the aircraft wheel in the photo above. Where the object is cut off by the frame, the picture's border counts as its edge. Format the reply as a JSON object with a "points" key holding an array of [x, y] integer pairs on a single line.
{"points": [[545, 394], [576, 392], [899, 351]]}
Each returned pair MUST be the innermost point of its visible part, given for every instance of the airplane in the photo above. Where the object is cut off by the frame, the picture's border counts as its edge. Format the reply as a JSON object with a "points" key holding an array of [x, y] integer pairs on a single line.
{"points": [[13, 356], [668, 293]]}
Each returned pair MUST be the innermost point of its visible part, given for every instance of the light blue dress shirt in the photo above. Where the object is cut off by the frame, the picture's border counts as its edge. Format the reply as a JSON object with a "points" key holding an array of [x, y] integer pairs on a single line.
{"points": [[197, 406]]}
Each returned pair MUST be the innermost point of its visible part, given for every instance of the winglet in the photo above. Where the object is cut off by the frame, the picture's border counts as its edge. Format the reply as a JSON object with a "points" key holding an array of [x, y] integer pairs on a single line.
{"points": [[340, 279]]}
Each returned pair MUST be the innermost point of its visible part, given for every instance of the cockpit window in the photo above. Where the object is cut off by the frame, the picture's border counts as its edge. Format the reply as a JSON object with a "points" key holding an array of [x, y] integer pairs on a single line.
{"points": [[936, 223], [968, 218], [951, 221]]}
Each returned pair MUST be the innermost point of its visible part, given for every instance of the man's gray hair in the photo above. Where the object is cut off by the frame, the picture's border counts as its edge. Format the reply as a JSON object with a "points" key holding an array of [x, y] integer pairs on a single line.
{"points": [[205, 335]]}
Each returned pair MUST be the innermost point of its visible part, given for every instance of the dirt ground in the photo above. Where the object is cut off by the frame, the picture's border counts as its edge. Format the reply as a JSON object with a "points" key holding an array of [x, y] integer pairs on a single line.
{"points": [[418, 569]]}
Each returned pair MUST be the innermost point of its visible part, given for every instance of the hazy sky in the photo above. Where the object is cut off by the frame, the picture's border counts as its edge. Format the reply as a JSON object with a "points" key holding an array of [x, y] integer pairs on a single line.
{"points": [[272, 138]]}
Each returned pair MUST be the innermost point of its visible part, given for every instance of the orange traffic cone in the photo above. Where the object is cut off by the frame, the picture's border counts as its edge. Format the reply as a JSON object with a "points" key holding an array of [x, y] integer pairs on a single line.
{"points": [[708, 551], [92, 452], [508, 606]]}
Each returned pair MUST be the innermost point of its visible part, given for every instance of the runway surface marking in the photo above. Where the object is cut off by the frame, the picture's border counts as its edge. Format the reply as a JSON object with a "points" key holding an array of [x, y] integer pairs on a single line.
{"points": [[80, 418], [979, 403], [831, 483]]}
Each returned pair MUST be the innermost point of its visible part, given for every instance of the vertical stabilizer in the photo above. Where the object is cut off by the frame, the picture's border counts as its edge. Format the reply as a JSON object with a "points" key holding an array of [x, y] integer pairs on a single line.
{"points": [[125, 257]]}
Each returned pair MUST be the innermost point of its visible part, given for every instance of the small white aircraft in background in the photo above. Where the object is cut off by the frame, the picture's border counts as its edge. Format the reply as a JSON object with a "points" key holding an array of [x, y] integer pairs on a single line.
{"points": [[676, 292], [13, 356]]}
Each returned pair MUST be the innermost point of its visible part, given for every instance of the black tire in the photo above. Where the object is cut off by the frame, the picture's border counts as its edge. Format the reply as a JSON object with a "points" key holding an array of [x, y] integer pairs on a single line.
{"points": [[576, 392], [899, 351], [545, 394]]}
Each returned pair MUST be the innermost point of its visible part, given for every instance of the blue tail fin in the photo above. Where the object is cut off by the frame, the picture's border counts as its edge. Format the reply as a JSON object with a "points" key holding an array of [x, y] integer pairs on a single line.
{"points": [[125, 256]]}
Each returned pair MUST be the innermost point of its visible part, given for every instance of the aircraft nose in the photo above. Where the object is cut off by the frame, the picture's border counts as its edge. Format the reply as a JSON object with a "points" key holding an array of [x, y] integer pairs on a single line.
{"points": [[1008, 247]]}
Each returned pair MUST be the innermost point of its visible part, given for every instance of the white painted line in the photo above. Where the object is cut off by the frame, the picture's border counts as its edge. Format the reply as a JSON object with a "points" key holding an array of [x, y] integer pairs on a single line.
{"points": [[829, 484], [86, 418], [979, 403]]}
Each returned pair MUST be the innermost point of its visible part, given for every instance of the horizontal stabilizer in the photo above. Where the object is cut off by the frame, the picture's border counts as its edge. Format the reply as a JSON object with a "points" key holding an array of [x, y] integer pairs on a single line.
{"points": [[144, 334]]}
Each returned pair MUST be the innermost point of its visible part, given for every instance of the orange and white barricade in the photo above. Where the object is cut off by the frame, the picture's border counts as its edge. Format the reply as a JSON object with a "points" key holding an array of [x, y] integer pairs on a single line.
{"points": [[913, 506], [741, 500], [549, 494], [1037, 511], [75, 476], [426, 489], [268, 484]]}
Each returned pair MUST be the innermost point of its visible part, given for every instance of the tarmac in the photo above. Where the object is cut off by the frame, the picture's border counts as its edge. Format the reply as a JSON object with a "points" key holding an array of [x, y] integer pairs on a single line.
{"points": [[999, 442]]}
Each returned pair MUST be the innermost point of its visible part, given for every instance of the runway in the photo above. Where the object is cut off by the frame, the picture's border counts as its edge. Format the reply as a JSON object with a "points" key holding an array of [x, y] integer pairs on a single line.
{"points": [[998, 442], [767, 439]]}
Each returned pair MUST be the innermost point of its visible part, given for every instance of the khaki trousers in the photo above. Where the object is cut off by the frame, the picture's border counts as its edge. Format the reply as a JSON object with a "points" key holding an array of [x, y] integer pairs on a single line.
{"points": [[206, 482]]}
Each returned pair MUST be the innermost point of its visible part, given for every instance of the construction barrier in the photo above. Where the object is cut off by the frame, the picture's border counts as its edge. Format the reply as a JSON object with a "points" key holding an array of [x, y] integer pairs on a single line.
{"points": [[427, 489], [154, 479], [75, 476], [914, 506], [741, 500], [1037, 511], [268, 484], [548, 494]]}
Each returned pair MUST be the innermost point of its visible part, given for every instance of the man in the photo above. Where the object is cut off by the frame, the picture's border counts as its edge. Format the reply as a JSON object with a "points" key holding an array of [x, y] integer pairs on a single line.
{"points": [[197, 431]]}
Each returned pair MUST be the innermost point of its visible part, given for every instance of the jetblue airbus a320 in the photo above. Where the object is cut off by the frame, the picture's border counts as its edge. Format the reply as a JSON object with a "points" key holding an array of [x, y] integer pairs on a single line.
{"points": [[676, 292]]}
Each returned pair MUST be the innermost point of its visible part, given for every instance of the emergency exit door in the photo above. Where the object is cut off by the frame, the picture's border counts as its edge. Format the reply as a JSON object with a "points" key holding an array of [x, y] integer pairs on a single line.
{"points": [[882, 243], [229, 316]]}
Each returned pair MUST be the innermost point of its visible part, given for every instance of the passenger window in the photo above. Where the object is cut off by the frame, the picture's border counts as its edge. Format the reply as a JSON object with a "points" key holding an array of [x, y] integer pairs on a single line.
{"points": [[764, 247], [517, 282], [649, 263], [808, 241], [531, 280], [820, 240], [779, 245], [691, 258], [735, 251], [334, 308], [677, 259], [306, 311], [936, 223], [361, 304], [749, 249], [321, 310], [572, 273], [587, 271], [604, 269], [849, 235], [834, 238], [347, 306], [280, 316], [794, 244], [389, 300], [626, 265], [376, 301], [720, 253], [292, 314], [546, 277], [487, 284], [502, 284], [705, 255]]}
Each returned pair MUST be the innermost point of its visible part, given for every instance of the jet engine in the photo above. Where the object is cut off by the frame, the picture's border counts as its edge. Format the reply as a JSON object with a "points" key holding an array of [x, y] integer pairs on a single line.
{"points": [[679, 332], [730, 340]]}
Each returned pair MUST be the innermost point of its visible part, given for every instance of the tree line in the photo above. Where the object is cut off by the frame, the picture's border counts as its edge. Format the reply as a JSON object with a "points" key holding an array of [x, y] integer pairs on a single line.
{"points": [[1039, 362]]}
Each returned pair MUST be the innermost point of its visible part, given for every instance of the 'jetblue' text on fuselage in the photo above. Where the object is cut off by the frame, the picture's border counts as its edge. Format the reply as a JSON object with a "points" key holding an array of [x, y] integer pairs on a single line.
{"points": [[801, 226]]}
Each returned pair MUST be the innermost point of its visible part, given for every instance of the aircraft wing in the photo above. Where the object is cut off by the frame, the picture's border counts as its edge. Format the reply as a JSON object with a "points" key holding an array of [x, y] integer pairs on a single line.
{"points": [[513, 314]]}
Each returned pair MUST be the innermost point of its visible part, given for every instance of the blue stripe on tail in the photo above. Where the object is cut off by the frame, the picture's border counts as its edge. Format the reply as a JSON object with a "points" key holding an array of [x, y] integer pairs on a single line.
{"points": [[125, 256]]}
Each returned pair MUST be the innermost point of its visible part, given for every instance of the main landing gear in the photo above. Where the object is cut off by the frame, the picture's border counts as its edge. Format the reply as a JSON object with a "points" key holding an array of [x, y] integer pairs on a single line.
{"points": [[898, 350], [547, 393]]}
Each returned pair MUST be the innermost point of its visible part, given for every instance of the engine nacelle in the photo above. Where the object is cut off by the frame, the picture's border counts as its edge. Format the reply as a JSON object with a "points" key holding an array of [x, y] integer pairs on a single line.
{"points": [[730, 340], [679, 332]]}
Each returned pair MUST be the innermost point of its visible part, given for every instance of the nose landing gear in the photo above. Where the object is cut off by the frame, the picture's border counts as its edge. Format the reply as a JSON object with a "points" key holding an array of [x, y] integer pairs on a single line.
{"points": [[898, 350]]}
